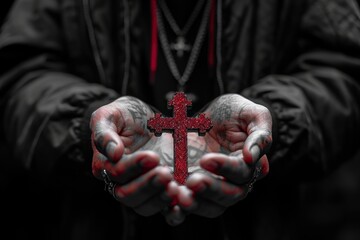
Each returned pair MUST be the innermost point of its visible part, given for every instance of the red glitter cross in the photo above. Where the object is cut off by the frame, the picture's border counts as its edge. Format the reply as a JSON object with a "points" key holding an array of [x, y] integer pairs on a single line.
{"points": [[179, 124]]}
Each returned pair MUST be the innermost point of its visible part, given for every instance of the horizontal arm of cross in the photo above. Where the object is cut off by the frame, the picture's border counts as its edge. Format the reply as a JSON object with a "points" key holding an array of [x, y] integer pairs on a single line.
{"points": [[159, 124], [200, 123]]}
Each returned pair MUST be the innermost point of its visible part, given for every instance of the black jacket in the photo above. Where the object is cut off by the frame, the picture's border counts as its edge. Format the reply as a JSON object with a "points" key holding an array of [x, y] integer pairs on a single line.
{"points": [[60, 60]]}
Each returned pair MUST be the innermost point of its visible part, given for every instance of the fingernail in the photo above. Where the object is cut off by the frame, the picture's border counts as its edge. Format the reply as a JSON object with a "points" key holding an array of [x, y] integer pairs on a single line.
{"points": [[255, 153], [110, 149]]}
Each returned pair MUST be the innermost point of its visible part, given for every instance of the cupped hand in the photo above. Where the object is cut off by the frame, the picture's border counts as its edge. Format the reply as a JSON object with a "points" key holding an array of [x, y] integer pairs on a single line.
{"points": [[130, 155], [225, 163]]}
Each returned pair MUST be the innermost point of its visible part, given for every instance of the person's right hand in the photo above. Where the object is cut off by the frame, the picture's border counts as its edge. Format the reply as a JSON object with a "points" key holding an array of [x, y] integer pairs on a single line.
{"points": [[127, 151]]}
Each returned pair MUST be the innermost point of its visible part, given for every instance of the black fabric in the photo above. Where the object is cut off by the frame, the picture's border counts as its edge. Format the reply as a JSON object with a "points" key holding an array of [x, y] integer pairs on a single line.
{"points": [[5, 6], [59, 57], [202, 82]]}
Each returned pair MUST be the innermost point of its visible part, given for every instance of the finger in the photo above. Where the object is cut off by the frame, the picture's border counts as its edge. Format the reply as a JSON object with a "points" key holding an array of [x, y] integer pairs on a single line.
{"points": [[108, 142], [235, 140], [159, 202], [215, 190], [191, 203], [105, 124], [259, 133], [144, 187], [153, 205], [233, 167], [185, 198], [207, 208], [131, 166], [261, 170], [265, 167], [200, 206], [233, 173], [98, 161], [173, 214], [256, 145]]}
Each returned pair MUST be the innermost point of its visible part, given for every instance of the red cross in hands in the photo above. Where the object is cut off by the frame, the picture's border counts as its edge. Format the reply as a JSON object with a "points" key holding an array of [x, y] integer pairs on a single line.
{"points": [[179, 124]]}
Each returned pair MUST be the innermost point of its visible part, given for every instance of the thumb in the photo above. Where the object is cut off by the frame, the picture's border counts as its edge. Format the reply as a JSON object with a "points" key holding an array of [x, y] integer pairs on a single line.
{"points": [[256, 145]]}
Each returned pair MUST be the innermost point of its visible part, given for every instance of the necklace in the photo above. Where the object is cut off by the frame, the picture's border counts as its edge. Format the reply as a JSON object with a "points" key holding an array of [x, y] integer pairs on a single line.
{"points": [[180, 45], [194, 53]]}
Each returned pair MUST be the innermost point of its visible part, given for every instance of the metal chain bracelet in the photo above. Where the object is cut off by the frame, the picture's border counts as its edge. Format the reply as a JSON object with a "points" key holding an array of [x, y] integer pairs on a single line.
{"points": [[254, 178], [109, 185]]}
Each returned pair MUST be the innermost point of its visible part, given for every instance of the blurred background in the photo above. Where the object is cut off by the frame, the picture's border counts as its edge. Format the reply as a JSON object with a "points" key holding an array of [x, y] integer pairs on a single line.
{"points": [[4, 7], [330, 208]]}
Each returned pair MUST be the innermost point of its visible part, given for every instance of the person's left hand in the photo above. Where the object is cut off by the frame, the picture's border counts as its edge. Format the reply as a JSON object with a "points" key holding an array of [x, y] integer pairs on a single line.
{"points": [[225, 163]]}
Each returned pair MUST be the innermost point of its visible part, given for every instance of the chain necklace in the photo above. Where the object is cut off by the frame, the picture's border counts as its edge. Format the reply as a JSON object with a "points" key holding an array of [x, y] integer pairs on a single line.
{"points": [[180, 46], [194, 54]]}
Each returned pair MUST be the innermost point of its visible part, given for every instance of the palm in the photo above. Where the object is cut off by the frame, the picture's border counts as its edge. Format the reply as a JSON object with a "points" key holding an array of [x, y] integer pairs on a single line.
{"points": [[227, 135], [230, 135], [124, 153]]}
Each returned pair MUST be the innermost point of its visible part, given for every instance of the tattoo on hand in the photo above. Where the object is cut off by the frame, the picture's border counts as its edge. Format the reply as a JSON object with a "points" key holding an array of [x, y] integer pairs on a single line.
{"points": [[138, 110], [221, 110]]}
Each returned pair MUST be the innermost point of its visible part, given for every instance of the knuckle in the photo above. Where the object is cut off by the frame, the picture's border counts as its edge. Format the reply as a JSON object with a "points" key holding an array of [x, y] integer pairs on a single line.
{"points": [[98, 113], [102, 111], [263, 111], [93, 119], [98, 136], [261, 108], [93, 115]]}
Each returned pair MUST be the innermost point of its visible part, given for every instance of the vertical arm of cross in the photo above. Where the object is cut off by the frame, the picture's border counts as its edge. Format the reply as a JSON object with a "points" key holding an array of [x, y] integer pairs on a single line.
{"points": [[180, 123], [180, 105]]}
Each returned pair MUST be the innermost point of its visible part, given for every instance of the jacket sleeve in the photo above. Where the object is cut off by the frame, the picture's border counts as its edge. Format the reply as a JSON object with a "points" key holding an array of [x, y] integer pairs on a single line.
{"points": [[44, 106], [316, 102]]}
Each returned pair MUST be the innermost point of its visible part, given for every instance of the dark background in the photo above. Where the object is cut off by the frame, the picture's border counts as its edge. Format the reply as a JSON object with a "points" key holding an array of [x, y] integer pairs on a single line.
{"points": [[331, 207], [4, 6]]}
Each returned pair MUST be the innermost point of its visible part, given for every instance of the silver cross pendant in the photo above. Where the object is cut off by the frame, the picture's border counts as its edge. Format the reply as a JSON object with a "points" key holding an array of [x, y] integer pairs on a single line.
{"points": [[180, 46]]}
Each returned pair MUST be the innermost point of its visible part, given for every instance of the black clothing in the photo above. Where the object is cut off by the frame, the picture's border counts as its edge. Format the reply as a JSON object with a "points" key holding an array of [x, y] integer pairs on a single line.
{"points": [[60, 60]]}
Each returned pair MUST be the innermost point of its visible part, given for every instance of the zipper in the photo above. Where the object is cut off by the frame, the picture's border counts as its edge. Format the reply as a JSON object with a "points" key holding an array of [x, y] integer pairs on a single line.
{"points": [[93, 42]]}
